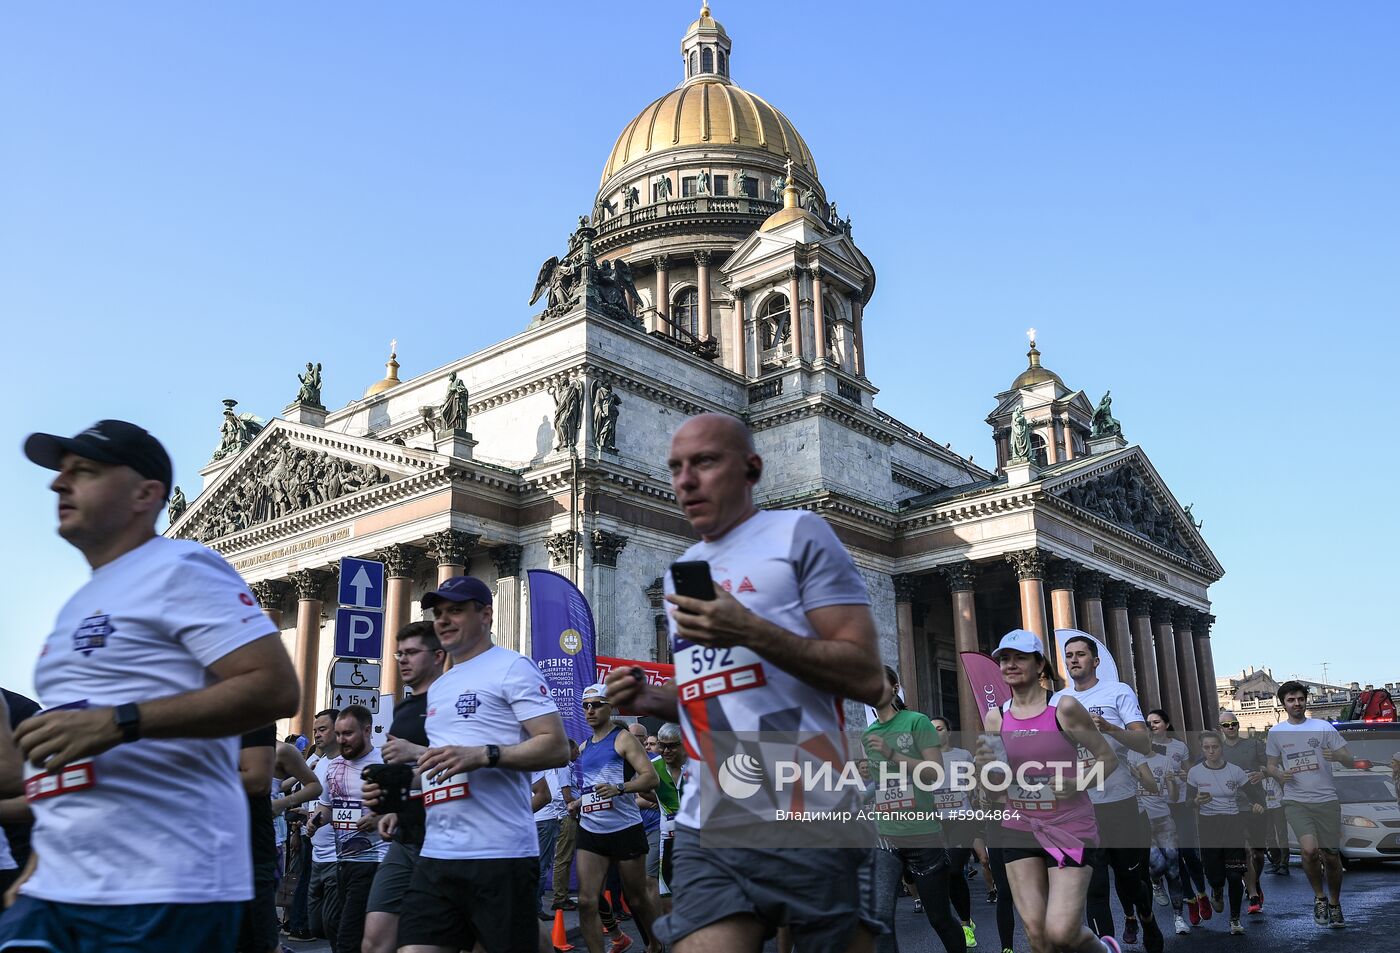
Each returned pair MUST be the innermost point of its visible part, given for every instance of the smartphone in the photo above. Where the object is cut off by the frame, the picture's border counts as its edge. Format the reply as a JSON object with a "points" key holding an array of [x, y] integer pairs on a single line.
{"points": [[693, 579]]}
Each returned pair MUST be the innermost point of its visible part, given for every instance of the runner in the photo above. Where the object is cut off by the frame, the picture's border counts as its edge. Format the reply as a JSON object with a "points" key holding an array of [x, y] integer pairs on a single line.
{"points": [[568, 837], [788, 633], [163, 643], [257, 758], [548, 817], [672, 750], [490, 722], [1277, 823], [1048, 831], [1214, 786], [615, 767], [964, 835], [897, 742], [358, 846], [420, 659], [1157, 786], [1125, 838], [18, 821], [1190, 872], [1301, 752], [650, 810], [321, 885], [667, 803], [1248, 753]]}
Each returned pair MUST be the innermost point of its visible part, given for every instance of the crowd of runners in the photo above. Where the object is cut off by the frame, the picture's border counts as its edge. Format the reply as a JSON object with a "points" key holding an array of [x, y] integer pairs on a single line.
{"points": [[136, 820]]}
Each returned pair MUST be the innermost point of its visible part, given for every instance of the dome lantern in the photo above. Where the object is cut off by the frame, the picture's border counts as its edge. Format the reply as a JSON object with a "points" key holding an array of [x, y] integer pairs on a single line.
{"points": [[1034, 373], [705, 49]]}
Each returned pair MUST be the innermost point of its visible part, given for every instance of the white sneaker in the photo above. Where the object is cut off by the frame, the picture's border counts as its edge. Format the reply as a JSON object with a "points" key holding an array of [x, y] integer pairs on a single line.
{"points": [[1182, 927], [1160, 895], [1236, 929]]}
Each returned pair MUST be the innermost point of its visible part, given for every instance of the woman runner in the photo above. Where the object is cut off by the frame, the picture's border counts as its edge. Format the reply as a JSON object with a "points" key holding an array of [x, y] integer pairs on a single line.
{"points": [[1188, 855]]}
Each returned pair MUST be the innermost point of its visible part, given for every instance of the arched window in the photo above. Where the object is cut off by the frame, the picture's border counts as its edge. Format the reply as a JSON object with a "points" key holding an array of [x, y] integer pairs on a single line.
{"points": [[774, 323], [692, 63], [1038, 450], [723, 64], [707, 60], [685, 312]]}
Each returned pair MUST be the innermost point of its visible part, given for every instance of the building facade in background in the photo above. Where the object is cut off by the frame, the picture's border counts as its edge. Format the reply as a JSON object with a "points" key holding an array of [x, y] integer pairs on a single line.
{"points": [[715, 273]]}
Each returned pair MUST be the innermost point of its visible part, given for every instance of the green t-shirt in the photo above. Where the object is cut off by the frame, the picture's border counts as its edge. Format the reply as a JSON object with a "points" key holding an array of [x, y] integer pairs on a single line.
{"points": [[666, 795], [899, 808]]}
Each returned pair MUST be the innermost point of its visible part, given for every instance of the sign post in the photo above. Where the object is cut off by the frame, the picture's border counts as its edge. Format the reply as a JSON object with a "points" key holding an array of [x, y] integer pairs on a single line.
{"points": [[359, 635]]}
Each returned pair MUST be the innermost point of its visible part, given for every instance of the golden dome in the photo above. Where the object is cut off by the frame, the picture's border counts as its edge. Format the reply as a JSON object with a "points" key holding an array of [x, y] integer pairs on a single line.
{"points": [[790, 212], [707, 23], [391, 376], [1034, 373], [709, 111]]}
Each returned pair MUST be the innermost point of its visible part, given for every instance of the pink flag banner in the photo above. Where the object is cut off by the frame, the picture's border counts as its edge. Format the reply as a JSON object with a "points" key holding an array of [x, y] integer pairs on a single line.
{"points": [[984, 679]]}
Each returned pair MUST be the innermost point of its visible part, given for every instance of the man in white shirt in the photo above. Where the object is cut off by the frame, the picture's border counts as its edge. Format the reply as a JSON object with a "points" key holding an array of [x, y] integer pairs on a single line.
{"points": [[1301, 751], [490, 722], [164, 642], [358, 846]]}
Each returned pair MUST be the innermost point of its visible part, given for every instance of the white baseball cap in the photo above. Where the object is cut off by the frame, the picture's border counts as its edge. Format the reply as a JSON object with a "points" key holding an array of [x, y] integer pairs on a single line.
{"points": [[1019, 640], [597, 691]]}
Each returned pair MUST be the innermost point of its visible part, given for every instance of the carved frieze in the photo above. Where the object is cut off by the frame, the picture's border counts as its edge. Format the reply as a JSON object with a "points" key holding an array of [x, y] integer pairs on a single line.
{"points": [[1122, 497]]}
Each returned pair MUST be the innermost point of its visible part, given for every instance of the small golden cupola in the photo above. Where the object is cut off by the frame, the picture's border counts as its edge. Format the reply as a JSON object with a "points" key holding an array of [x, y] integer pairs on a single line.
{"points": [[391, 373]]}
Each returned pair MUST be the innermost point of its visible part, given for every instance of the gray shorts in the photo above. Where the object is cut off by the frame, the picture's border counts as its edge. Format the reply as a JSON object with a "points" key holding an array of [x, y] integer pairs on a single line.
{"points": [[1322, 820], [391, 880], [816, 891], [654, 854]]}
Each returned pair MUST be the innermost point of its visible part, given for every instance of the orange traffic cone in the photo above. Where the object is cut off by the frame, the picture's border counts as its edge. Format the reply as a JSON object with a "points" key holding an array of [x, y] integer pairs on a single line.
{"points": [[559, 937]]}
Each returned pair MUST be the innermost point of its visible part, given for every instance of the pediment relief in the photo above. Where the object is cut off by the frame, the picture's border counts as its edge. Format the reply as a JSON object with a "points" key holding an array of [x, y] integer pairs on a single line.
{"points": [[286, 472], [1136, 501]]}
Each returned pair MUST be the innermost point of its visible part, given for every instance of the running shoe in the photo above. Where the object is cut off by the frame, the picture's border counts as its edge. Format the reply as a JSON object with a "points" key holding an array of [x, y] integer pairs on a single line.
{"points": [[1334, 916], [1130, 931], [918, 905], [1182, 927], [620, 943], [1160, 895], [970, 932], [1256, 905], [1236, 928], [1112, 944], [1203, 905], [1320, 911], [1193, 911], [992, 894], [1152, 939], [1217, 900]]}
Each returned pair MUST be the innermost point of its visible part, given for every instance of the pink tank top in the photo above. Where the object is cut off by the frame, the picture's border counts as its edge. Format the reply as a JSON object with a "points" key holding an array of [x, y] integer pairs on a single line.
{"points": [[1063, 825]]}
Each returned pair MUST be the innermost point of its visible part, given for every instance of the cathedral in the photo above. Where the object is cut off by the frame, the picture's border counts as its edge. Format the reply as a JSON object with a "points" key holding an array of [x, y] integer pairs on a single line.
{"points": [[714, 274]]}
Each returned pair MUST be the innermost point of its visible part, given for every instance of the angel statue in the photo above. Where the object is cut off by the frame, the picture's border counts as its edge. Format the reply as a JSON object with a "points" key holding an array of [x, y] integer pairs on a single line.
{"points": [[1104, 423], [631, 197], [310, 392], [559, 278]]}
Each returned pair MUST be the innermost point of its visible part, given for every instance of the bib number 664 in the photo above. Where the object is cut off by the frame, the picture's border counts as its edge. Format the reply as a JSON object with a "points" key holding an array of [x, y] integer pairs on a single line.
{"points": [[708, 659]]}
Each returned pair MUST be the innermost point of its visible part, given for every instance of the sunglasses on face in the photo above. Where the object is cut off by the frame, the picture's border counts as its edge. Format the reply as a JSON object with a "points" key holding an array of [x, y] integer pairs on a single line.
{"points": [[589, 706], [1229, 724]]}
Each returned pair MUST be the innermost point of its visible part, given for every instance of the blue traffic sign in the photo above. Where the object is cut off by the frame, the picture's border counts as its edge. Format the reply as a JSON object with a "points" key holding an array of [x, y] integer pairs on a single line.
{"points": [[359, 633], [362, 583]]}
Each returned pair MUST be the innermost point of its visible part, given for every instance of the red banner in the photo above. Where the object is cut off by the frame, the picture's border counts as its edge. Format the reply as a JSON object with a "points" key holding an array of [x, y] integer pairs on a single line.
{"points": [[658, 673]]}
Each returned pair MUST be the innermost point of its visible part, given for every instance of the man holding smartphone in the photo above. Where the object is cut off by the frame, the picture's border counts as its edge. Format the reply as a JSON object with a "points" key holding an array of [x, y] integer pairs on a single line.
{"points": [[779, 636]]}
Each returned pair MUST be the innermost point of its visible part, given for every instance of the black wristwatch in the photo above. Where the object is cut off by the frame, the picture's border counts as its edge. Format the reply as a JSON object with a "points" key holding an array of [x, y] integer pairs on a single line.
{"points": [[493, 755], [128, 720]]}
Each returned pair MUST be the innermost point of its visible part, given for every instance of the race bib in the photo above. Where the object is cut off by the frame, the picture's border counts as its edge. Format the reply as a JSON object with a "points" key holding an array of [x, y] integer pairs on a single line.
{"points": [[894, 797], [452, 788], [592, 802], [40, 785], [948, 800], [704, 672], [345, 815], [1086, 758], [1027, 799], [1304, 760]]}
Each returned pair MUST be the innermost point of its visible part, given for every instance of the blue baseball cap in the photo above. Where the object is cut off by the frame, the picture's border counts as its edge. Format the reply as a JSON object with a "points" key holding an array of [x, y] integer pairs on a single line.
{"points": [[1020, 640], [459, 589]]}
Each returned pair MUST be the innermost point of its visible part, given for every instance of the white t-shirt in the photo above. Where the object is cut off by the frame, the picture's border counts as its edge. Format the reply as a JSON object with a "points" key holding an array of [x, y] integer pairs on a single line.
{"points": [[1222, 784], [1180, 757], [1116, 704], [1299, 749], [945, 797], [323, 841], [557, 779], [1161, 766], [7, 860], [342, 793], [484, 813], [780, 564], [146, 625]]}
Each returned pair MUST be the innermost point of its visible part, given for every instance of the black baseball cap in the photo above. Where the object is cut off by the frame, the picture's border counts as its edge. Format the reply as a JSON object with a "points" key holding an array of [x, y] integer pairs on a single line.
{"points": [[458, 589], [107, 441]]}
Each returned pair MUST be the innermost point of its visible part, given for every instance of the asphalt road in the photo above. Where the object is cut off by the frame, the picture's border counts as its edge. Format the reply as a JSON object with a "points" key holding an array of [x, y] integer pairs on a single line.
{"points": [[1369, 896]]}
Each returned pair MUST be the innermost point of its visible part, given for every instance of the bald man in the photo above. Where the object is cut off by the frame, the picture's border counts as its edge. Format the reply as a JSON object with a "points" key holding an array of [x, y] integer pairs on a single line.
{"points": [[787, 636]]}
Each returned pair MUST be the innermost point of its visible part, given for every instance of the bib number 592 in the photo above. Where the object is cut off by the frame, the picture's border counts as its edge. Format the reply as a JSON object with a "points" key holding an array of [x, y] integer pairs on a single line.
{"points": [[707, 659]]}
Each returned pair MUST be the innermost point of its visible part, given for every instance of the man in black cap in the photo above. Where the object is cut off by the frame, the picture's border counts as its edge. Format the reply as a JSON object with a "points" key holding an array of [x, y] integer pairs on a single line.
{"points": [[164, 642]]}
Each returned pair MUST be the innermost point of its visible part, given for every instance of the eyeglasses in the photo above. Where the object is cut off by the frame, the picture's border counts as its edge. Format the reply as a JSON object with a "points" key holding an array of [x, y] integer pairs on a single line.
{"points": [[402, 654], [668, 745], [589, 706], [1229, 724]]}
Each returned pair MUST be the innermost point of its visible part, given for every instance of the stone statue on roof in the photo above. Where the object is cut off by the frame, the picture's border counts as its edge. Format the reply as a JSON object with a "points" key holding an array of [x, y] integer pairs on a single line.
{"points": [[1022, 450], [310, 391], [1104, 423], [453, 412]]}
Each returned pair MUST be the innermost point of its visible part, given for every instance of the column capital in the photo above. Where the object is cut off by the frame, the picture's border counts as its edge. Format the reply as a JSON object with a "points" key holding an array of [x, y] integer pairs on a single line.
{"points": [[507, 559], [270, 593], [1162, 610], [309, 583], [1183, 617], [1060, 574], [961, 575], [656, 593], [606, 547], [562, 546], [1140, 602], [399, 560], [703, 258], [906, 586], [1090, 583], [1200, 627], [1029, 563], [792, 274], [452, 547], [661, 262], [1115, 594]]}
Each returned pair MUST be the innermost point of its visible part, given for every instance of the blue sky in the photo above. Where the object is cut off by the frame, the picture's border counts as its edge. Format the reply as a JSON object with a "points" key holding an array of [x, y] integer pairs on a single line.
{"points": [[1194, 203]]}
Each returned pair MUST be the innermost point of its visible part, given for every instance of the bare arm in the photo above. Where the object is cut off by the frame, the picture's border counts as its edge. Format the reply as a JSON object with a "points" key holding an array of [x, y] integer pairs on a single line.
{"points": [[290, 761], [644, 775], [539, 794], [1145, 777], [255, 686], [11, 764], [627, 689], [1080, 727], [1134, 736], [547, 747], [842, 659], [15, 810], [255, 769]]}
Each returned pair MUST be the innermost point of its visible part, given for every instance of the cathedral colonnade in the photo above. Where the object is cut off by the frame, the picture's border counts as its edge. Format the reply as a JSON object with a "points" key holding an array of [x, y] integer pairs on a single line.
{"points": [[1162, 648]]}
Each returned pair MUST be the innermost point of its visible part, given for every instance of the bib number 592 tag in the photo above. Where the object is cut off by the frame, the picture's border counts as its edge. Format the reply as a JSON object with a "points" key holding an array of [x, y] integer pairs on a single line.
{"points": [[41, 785], [704, 671], [453, 788]]}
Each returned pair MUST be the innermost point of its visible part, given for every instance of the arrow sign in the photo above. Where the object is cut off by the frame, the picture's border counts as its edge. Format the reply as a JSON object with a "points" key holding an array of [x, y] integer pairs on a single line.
{"points": [[362, 583], [356, 676], [343, 698], [359, 633]]}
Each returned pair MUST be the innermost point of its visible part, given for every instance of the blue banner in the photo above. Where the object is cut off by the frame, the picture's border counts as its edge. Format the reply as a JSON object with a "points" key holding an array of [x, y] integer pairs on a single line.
{"points": [[562, 645]]}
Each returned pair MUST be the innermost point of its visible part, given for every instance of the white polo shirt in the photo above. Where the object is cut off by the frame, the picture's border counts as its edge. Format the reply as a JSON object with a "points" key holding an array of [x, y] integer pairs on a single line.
{"points": [[146, 625]]}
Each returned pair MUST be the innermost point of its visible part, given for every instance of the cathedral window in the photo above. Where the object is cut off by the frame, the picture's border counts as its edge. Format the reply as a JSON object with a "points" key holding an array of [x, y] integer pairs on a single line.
{"points": [[721, 185], [692, 64], [707, 60], [723, 64], [685, 312], [1038, 450], [774, 323], [748, 185], [688, 185]]}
